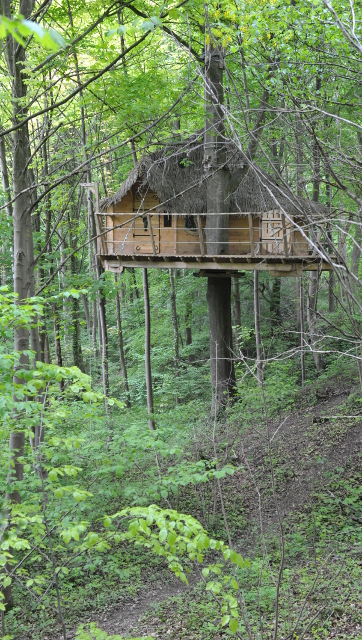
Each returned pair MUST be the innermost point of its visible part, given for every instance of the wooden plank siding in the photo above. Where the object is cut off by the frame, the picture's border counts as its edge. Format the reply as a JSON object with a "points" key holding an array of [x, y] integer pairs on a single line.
{"points": [[272, 234]]}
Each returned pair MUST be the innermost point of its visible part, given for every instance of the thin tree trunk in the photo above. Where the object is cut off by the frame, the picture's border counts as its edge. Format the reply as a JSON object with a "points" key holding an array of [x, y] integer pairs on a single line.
{"points": [[86, 313], [121, 349], [149, 388], [356, 252], [98, 269], [76, 342], [188, 317], [314, 275], [258, 341], [236, 309], [312, 320], [176, 339], [94, 329], [6, 189], [302, 331]]}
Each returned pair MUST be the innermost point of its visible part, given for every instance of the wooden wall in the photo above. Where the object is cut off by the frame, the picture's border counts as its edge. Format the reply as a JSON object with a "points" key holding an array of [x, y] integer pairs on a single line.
{"points": [[176, 240]]}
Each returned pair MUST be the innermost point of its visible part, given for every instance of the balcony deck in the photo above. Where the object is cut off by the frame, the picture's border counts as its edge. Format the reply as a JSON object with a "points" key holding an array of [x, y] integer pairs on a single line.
{"points": [[256, 241]]}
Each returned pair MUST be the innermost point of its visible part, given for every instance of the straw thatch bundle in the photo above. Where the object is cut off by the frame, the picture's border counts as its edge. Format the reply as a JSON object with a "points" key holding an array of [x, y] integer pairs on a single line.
{"points": [[176, 173]]}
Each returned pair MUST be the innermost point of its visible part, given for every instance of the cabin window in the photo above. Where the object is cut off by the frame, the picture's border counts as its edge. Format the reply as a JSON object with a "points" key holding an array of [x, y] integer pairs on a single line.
{"points": [[167, 220], [190, 225], [145, 223]]}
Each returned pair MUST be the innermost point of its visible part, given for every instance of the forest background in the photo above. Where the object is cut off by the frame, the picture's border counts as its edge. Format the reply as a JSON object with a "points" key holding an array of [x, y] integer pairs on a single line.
{"points": [[95, 479]]}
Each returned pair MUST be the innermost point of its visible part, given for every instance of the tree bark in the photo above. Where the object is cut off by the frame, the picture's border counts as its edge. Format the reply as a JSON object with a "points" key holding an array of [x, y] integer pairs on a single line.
{"points": [[275, 299], [217, 184], [22, 229], [176, 339], [23, 238], [217, 230], [314, 275], [6, 189], [258, 341], [76, 341], [302, 330], [86, 313], [176, 336], [188, 317], [356, 252], [236, 309], [149, 388], [221, 350]]}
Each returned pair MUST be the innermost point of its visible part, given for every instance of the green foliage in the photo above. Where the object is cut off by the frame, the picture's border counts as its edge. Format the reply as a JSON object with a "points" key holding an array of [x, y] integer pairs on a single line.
{"points": [[93, 633], [19, 28]]}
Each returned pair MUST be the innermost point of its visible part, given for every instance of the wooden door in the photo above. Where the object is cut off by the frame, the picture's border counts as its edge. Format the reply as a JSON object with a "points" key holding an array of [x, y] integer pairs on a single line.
{"points": [[146, 224], [275, 233]]}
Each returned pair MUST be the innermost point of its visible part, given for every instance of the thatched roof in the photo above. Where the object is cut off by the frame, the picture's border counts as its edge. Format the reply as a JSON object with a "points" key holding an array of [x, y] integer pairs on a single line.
{"points": [[177, 175]]}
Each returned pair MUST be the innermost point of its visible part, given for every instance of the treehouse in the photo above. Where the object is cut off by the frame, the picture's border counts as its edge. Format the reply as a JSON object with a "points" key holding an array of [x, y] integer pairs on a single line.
{"points": [[157, 219]]}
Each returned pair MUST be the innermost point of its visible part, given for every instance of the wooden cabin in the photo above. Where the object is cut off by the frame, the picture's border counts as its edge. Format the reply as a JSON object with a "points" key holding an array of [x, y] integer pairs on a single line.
{"points": [[150, 222]]}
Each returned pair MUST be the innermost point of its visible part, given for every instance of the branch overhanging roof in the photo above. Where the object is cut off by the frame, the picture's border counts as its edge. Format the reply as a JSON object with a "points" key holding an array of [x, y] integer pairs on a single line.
{"points": [[176, 173]]}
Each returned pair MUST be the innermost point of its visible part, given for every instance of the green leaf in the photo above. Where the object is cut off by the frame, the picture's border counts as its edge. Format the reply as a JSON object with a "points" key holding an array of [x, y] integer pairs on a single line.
{"points": [[147, 25], [225, 620], [233, 625], [156, 21], [6, 581], [162, 535]]}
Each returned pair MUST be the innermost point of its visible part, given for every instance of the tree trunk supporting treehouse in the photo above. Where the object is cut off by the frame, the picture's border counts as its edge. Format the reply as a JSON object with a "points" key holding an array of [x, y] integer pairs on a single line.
{"points": [[217, 230], [221, 350]]}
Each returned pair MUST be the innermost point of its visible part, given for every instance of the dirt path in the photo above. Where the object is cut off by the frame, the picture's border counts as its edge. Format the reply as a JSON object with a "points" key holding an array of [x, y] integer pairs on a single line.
{"points": [[307, 444], [125, 617]]}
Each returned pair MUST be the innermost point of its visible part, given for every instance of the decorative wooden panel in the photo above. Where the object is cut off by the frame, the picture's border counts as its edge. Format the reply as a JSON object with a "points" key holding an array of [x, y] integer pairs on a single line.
{"points": [[273, 234]]}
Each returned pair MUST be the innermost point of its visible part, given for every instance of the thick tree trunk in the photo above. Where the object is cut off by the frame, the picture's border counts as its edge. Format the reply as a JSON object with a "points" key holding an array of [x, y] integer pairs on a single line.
{"points": [[217, 233], [275, 299], [121, 349], [217, 224], [134, 286], [221, 350], [23, 239], [149, 388]]}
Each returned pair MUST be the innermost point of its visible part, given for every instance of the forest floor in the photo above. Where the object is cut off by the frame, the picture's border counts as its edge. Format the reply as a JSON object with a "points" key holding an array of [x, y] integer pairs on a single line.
{"points": [[316, 455]]}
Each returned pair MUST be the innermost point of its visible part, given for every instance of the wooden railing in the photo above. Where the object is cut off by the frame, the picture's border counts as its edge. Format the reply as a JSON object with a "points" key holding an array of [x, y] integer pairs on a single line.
{"points": [[159, 233]]}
